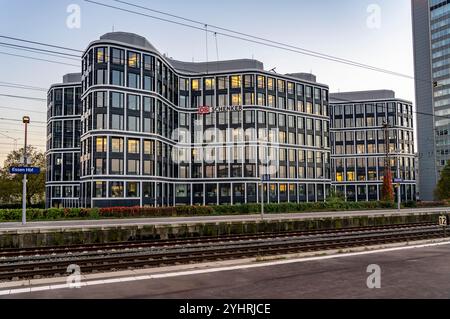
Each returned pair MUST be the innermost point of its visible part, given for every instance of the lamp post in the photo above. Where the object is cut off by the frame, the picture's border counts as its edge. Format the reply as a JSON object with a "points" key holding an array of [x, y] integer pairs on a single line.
{"points": [[26, 121]]}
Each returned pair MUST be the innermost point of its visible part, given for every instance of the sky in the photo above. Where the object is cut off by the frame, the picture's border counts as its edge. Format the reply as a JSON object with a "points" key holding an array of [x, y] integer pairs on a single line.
{"points": [[377, 33]]}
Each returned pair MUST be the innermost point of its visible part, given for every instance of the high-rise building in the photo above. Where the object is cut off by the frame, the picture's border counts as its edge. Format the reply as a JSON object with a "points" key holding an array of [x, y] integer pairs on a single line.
{"points": [[63, 142], [431, 33], [358, 144]]}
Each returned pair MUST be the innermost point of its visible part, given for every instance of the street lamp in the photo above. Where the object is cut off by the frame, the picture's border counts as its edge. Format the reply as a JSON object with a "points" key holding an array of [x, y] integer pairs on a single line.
{"points": [[26, 121]]}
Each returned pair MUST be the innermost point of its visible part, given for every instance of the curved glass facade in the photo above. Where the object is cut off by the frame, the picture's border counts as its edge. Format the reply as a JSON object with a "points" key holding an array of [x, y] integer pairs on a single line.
{"points": [[159, 132], [63, 144]]}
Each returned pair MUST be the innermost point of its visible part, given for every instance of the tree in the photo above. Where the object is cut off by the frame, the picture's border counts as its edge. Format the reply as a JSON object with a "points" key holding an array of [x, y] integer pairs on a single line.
{"points": [[11, 184], [442, 190], [387, 191]]}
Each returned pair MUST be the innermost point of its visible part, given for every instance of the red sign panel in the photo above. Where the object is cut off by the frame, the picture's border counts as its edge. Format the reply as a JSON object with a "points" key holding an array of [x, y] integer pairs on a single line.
{"points": [[204, 110]]}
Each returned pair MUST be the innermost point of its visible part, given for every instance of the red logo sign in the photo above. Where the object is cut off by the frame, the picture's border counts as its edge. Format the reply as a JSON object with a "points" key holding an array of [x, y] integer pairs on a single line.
{"points": [[204, 110]]}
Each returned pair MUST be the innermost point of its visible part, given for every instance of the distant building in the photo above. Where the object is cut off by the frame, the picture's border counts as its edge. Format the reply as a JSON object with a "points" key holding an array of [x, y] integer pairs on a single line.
{"points": [[63, 142], [358, 143], [431, 33]]}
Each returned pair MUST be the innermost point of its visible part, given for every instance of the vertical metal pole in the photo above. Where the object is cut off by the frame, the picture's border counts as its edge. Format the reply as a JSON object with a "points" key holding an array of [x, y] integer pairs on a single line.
{"points": [[399, 184], [262, 199], [24, 182]]}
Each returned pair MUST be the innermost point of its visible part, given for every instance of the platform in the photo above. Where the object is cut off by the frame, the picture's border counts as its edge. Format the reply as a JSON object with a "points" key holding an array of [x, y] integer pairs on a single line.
{"points": [[8, 227]]}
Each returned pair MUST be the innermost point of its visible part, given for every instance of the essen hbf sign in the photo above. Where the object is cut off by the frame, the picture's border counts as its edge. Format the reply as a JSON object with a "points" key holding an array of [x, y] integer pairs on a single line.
{"points": [[219, 109]]}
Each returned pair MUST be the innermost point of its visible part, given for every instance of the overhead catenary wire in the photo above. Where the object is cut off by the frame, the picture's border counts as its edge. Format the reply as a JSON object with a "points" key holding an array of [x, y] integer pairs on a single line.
{"points": [[267, 42], [38, 51], [23, 97], [38, 59], [40, 43], [20, 109]]}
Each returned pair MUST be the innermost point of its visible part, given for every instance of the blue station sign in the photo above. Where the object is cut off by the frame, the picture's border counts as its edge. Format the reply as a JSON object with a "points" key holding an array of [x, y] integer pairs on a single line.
{"points": [[24, 170]]}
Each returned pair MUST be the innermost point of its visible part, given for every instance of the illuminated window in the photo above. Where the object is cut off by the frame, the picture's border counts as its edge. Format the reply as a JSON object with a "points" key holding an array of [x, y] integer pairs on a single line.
{"points": [[116, 189], [236, 99], [100, 144], [281, 86], [117, 145], [209, 84], [271, 84], [236, 82], [133, 146], [148, 147], [350, 176], [101, 56], [261, 82], [134, 60], [195, 85], [339, 177]]}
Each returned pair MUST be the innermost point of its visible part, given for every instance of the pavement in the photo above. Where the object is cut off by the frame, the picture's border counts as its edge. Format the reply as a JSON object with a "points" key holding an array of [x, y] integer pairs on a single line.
{"points": [[85, 224], [421, 271]]}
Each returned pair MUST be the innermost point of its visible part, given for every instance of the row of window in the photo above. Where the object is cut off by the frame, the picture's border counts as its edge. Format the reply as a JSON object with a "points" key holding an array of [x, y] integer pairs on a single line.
{"points": [[372, 108], [239, 191]]}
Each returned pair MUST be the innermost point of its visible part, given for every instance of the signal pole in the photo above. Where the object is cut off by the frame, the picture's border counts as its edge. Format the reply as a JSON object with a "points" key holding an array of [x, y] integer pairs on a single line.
{"points": [[26, 121]]}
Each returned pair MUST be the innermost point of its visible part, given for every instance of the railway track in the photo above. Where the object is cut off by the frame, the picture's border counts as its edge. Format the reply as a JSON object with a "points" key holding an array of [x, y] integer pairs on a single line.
{"points": [[10, 252], [32, 263]]}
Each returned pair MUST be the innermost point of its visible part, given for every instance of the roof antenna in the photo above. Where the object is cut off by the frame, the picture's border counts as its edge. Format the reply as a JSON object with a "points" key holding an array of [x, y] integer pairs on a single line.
{"points": [[206, 37], [273, 70], [217, 50], [113, 28]]}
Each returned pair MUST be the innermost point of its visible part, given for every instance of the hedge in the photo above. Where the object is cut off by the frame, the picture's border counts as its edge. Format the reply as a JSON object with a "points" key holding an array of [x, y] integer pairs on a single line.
{"points": [[137, 212]]}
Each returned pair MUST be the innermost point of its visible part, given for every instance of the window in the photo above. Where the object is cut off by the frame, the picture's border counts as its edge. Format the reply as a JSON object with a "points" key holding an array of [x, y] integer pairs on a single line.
{"points": [[133, 102], [271, 84], [261, 82], [149, 104], [100, 77], [117, 166], [100, 189], [100, 99], [195, 85], [116, 189], [148, 147], [100, 144], [281, 86], [117, 100], [132, 189], [117, 122], [118, 56], [133, 167], [249, 98], [134, 60], [209, 84], [236, 99], [236, 82], [100, 56], [117, 145], [133, 123], [148, 83], [133, 146], [101, 122], [222, 83], [148, 62], [134, 80], [248, 81], [117, 78]]}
